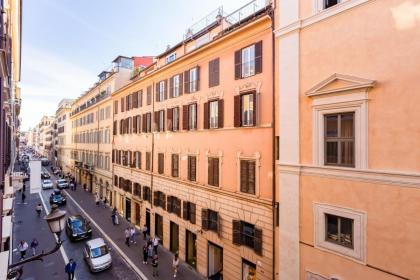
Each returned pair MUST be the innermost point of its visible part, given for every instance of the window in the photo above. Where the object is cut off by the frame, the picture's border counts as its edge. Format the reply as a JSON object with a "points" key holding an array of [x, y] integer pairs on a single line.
{"points": [[160, 120], [170, 57], [175, 119], [192, 165], [213, 114], [247, 175], [210, 220], [147, 123], [137, 189], [339, 139], [214, 72], [189, 211], [159, 199], [192, 80], [174, 205], [249, 270], [161, 91], [175, 165], [248, 235], [149, 95], [138, 160], [147, 196], [161, 161], [330, 3], [248, 61], [339, 230], [122, 104], [176, 86], [148, 160], [190, 116], [213, 171]]}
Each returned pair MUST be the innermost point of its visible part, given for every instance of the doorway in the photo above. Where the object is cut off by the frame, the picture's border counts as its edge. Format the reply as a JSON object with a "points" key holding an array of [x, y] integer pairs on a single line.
{"points": [[174, 238], [137, 214], [215, 262], [159, 227], [249, 270], [148, 220], [191, 249], [128, 209]]}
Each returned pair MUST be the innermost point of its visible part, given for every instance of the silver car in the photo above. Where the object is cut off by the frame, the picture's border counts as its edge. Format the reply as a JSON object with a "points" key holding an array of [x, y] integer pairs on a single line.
{"points": [[47, 184], [62, 184], [97, 255]]}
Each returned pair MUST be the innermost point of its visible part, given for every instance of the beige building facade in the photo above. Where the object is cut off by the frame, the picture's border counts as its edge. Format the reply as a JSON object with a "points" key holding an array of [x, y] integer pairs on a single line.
{"points": [[64, 144]]}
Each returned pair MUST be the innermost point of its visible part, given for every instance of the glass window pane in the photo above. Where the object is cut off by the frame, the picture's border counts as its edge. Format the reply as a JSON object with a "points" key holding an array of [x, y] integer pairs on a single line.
{"points": [[331, 152], [347, 125], [347, 153], [346, 232], [331, 233], [331, 126]]}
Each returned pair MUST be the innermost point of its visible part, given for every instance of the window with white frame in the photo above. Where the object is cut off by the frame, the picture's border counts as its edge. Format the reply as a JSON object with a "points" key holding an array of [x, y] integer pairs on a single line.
{"points": [[176, 84], [175, 119], [248, 61], [192, 116], [193, 79], [161, 90], [170, 57], [247, 109], [214, 114]]}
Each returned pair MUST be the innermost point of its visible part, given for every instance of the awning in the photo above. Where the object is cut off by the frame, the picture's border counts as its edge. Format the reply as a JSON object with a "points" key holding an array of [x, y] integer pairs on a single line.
{"points": [[7, 228], [7, 205], [4, 264]]}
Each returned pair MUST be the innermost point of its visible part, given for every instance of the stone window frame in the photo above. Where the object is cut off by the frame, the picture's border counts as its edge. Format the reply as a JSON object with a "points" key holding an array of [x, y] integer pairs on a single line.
{"points": [[257, 158], [218, 155], [358, 252]]}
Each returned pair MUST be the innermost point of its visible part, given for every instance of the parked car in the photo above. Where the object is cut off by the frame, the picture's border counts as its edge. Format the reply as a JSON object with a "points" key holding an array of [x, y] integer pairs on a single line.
{"points": [[47, 184], [78, 228], [57, 198], [97, 255], [45, 175], [62, 184]]}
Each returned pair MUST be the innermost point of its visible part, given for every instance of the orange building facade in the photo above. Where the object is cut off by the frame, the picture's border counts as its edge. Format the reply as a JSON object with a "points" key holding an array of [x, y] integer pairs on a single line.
{"points": [[193, 147], [348, 168]]}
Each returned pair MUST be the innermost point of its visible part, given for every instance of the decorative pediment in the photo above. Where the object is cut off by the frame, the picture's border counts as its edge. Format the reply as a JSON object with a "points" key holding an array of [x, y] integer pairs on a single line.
{"points": [[340, 83]]}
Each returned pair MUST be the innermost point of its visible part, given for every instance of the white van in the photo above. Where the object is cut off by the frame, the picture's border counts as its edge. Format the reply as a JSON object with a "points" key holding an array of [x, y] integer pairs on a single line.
{"points": [[97, 255]]}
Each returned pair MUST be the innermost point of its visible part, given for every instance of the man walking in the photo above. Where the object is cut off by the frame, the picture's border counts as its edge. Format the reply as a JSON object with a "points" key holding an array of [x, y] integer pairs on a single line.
{"points": [[132, 234], [127, 237], [155, 244], [23, 197], [38, 209], [70, 268], [144, 230], [34, 245], [155, 265], [22, 247]]}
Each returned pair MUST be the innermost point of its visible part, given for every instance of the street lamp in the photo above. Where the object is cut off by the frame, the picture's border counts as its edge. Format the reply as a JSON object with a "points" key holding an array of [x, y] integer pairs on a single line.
{"points": [[56, 220]]}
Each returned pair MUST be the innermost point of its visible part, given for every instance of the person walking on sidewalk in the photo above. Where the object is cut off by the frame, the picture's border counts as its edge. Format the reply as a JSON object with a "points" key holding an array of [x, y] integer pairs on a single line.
{"points": [[133, 234], [155, 265], [70, 269], [144, 230], [127, 237], [150, 250], [38, 209], [23, 197], [97, 200], [22, 247], [34, 245], [105, 201], [114, 216], [145, 254], [175, 264], [155, 244]]}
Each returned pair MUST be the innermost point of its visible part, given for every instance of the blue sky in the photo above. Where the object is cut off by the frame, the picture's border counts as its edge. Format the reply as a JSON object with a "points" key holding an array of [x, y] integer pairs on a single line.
{"points": [[67, 43]]}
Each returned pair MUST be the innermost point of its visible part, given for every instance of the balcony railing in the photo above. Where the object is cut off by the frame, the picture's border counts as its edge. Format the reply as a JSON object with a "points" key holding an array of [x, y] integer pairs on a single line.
{"points": [[246, 11]]}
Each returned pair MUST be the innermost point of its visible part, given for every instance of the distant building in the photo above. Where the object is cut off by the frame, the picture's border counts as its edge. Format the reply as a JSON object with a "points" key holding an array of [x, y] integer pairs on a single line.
{"points": [[63, 139]]}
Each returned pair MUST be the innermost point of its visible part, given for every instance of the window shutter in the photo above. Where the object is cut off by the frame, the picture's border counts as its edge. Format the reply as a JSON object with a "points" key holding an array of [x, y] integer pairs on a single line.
{"points": [[187, 81], [157, 92], [169, 204], [138, 123], [210, 171], [185, 117], [204, 219], [171, 87], [221, 113], [140, 98], [163, 116], [149, 95], [251, 177], [193, 168], [163, 201], [211, 72], [258, 57], [192, 213], [238, 64], [181, 83], [216, 78], [244, 176], [236, 232], [219, 226], [237, 111], [122, 104], [156, 121], [169, 113], [135, 100], [198, 78], [185, 210], [254, 116], [165, 92], [216, 172], [206, 115], [258, 241], [144, 126], [155, 199]]}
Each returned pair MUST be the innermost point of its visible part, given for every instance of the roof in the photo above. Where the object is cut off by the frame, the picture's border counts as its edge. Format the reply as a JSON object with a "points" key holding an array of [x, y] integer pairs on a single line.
{"points": [[97, 242], [142, 61], [120, 56]]}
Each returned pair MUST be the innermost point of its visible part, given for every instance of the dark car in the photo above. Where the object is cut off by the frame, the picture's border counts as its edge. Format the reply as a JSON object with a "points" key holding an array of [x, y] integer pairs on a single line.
{"points": [[45, 175], [57, 197], [78, 228]]}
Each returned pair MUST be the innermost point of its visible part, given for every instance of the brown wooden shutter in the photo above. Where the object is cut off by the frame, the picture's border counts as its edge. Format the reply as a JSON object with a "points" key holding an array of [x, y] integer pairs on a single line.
{"points": [[192, 213], [163, 201], [115, 107], [144, 126], [236, 232], [210, 172], [216, 172], [140, 98], [204, 219], [243, 176], [254, 104], [206, 115], [221, 113], [258, 57], [156, 121], [181, 84], [157, 92], [198, 78], [169, 113], [237, 111], [171, 87], [251, 177], [193, 168], [219, 227], [135, 100], [138, 123], [238, 64], [187, 81], [185, 117], [258, 241], [163, 116], [169, 204], [161, 163], [211, 62], [165, 92], [122, 104], [134, 124], [185, 210], [156, 198], [216, 75]]}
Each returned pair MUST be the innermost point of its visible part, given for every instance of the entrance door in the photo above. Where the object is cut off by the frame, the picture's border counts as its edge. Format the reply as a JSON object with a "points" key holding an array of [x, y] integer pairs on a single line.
{"points": [[137, 213], [191, 249], [148, 220], [215, 259], [174, 240], [128, 209], [159, 227]]}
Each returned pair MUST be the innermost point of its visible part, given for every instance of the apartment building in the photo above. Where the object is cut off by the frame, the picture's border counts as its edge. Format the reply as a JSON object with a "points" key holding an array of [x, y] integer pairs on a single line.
{"points": [[45, 135], [64, 135], [193, 150], [349, 172]]}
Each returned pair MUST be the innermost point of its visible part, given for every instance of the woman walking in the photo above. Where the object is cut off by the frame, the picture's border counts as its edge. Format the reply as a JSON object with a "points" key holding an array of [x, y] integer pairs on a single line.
{"points": [[22, 247], [175, 264], [34, 245], [145, 254], [150, 250], [155, 265], [38, 209]]}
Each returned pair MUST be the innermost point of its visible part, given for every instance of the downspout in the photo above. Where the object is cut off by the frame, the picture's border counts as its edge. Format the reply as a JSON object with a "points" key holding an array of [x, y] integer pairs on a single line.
{"points": [[152, 156], [97, 140]]}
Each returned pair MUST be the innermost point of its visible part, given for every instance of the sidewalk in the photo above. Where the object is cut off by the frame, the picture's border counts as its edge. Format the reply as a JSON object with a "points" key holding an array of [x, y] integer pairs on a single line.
{"points": [[102, 216]]}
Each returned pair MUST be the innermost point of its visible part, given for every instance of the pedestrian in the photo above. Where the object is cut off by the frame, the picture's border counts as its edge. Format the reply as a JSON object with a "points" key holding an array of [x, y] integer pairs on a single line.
{"points": [[24, 187], [22, 247], [127, 237], [144, 230], [23, 197], [105, 201], [175, 264], [70, 268], [34, 245], [155, 244], [155, 265], [133, 234], [114, 215], [84, 186], [97, 200], [38, 209], [150, 250], [145, 254]]}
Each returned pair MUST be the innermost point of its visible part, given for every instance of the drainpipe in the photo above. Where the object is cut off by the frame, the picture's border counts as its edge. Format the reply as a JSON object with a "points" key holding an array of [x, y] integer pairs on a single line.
{"points": [[97, 138], [152, 156]]}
